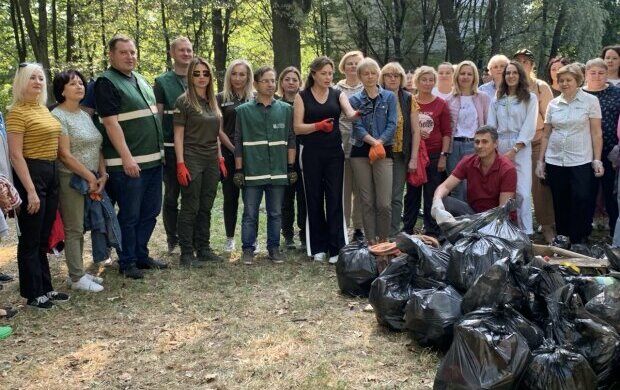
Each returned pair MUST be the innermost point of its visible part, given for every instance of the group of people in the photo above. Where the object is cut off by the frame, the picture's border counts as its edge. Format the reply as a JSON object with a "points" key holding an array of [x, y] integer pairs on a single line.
{"points": [[335, 155]]}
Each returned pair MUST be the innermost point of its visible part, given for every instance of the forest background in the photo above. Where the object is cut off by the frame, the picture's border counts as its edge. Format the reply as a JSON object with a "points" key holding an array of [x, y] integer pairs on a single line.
{"points": [[73, 33]]}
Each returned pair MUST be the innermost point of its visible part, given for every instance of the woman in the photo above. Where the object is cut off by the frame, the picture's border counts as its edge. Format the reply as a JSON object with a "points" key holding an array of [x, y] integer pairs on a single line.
{"points": [[513, 114], [436, 133], [468, 111], [350, 85], [552, 73], [609, 100], [371, 154], [445, 75], [289, 84], [316, 116], [197, 124], [237, 90], [611, 55], [406, 138], [79, 152], [570, 150], [543, 204], [33, 146]]}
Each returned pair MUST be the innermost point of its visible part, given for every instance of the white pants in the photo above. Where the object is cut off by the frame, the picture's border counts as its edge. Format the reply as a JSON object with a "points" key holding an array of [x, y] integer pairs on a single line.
{"points": [[523, 163]]}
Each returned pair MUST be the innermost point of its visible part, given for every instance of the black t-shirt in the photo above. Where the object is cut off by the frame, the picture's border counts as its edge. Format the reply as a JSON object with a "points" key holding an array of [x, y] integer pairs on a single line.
{"points": [[229, 114], [107, 97], [316, 112]]}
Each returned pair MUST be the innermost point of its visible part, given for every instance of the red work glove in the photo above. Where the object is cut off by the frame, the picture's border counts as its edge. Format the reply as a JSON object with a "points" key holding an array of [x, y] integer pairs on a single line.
{"points": [[223, 170], [183, 176], [326, 125]]}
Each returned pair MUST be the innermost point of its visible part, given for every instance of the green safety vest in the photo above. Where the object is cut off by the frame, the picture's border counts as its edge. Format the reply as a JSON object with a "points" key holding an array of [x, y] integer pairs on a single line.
{"points": [[139, 120], [172, 87], [264, 136]]}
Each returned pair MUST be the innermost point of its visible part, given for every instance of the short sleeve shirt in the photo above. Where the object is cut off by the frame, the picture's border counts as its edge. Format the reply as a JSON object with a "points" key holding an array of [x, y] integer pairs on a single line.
{"points": [[570, 142], [483, 190], [84, 138], [39, 128], [200, 128], [468, 118]]}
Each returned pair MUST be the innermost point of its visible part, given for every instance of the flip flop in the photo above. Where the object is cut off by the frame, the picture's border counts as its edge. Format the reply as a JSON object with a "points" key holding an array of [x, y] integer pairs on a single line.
{"points": [[5, 331]]}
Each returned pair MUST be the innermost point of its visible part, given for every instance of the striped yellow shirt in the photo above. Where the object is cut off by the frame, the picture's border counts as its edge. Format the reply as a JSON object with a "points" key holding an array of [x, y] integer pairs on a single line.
{"points": [[39, 127]]}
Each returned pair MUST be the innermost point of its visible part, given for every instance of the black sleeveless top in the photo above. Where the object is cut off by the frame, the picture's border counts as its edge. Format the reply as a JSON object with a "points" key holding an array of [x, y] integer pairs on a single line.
{"points": [[316, 112]]}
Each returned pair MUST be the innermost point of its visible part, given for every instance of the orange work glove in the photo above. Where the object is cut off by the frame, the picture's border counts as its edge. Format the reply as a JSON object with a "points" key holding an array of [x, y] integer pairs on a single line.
{"points": [[377, 152], [326, 125], [223, 170], [183, 176]]}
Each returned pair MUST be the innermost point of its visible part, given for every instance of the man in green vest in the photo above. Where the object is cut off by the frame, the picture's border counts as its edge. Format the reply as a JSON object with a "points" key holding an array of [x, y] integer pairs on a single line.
{"points": [[133, 152], [168, 87], [264, 158]]}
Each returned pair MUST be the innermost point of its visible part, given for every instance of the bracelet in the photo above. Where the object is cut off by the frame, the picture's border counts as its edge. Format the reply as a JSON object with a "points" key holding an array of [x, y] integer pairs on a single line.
{"points": [[516, 149]]}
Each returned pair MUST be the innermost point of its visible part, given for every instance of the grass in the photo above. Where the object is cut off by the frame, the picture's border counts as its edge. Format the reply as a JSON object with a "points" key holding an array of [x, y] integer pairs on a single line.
{"points": [[228, 326]]}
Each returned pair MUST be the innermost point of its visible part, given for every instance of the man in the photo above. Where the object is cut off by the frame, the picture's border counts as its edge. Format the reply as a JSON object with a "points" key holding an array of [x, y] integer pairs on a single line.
{"points": [[133, 151], [496, 67], [168, 87], [264, 158], [491, 180]]}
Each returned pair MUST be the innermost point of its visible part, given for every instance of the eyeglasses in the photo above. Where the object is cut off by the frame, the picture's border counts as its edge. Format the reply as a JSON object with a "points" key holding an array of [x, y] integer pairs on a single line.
{"points": [[392, 75], [267, 81], [205, 73], [23, 65]]}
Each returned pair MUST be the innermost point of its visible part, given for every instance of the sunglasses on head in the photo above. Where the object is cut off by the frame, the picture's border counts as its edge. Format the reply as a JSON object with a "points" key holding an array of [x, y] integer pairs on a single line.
{"points": [[205, 73]]}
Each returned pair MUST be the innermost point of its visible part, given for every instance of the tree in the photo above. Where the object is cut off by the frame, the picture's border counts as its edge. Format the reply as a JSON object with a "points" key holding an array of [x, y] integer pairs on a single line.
{"points": [[455, 52], [287, 18]]}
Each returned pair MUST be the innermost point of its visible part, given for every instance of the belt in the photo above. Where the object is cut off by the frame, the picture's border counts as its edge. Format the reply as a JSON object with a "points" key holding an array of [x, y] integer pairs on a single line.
{"points": [[463, 139]]}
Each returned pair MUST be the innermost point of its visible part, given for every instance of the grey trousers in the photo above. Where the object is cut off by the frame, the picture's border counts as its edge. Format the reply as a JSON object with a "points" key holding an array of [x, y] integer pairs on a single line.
{"points": [[352, 200], [71, 204]]}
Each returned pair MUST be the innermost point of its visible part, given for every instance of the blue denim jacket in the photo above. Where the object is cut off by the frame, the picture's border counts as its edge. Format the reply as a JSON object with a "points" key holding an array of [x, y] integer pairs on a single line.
{"points": [[100, 219], [379, 122]]}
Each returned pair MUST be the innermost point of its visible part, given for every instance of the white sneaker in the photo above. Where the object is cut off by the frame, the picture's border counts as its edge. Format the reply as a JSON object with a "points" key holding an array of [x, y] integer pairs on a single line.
{"points": [[333, 259], [320, 257], [94, 278], [230, 244], [86, 284], [107, 262]]}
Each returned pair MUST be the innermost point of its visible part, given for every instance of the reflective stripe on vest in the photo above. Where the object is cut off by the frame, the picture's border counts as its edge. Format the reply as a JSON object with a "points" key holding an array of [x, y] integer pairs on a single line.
{"points": [[115, 162], [169, 144], [273, 143], [168, 112], [127, 116], [263, 177]]}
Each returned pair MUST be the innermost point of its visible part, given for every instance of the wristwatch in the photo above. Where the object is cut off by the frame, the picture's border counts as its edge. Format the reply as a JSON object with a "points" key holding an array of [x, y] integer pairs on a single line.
{"points": [[516, 149], [445, 154]]}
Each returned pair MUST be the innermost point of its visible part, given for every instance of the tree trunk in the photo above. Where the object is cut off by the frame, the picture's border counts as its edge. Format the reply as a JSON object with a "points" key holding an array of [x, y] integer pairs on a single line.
{"points": [[542, 60], [557, 31], [286, 37], [18, 31], [70, 38], [220, 49], [164, 23], [104, 40], [38, 39], [495, 15], [400, 12], [137, 35], [451, 28], [55, 32]]}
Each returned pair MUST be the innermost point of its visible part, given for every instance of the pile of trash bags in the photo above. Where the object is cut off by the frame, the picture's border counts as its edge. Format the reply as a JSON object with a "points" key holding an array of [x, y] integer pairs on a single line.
{"points": [[504, 318]]}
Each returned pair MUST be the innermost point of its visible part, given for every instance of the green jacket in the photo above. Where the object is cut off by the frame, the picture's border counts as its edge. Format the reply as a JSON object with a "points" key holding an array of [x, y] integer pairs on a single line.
{"points": [[264, 138], [139, 120], [170, 86]]}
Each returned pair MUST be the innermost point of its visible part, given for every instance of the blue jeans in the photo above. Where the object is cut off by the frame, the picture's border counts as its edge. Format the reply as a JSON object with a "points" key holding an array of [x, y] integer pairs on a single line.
{"points": [[252, 197], [139, 203]]}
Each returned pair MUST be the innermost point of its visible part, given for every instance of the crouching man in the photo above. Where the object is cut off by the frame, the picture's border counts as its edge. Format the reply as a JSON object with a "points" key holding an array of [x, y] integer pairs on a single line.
{"points": [[491, 180], [264, 157]]}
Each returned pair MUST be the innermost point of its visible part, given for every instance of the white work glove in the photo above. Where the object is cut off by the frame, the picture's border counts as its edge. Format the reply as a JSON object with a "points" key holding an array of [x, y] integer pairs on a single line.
{"points": [[439, 213], [597, 166], [540, 169]]}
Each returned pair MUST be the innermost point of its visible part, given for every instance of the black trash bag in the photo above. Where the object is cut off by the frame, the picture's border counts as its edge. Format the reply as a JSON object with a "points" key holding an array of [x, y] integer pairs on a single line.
{"points": [[485, 354], [597, 251], [541, 279], [553, 367], [356, 269], [473, 255], [499, 285], [390, 292], [606, 306], [430, 315], [574, 328], [561, 242], [613, 256], [428, 262], [590, 286], [422, 283]]}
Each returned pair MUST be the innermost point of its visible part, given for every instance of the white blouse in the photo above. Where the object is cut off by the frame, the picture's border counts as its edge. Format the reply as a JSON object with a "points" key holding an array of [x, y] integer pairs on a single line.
{"points": [[570, 143], [514, 119]]}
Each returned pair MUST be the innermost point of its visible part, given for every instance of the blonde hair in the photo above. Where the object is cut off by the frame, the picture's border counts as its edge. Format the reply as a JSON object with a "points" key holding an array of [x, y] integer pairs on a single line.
{"points": [[596, 62], [422, 70], [290, 69], [21, 80], [496, 58], [367, 63], [178, 40], [394, 67], [446, 64], [192, 96], [456, 88], [227, 92], [348, 55], [574, 70]]}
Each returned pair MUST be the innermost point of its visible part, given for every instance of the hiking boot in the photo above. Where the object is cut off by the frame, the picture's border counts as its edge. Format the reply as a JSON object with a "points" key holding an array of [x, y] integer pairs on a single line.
{"points": [[230, 244], [56, 296], [42, 302], [289, 243], [209, 255], [151, 263], [188, 260], [132, 272], [247, 257], [276, 256]]}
